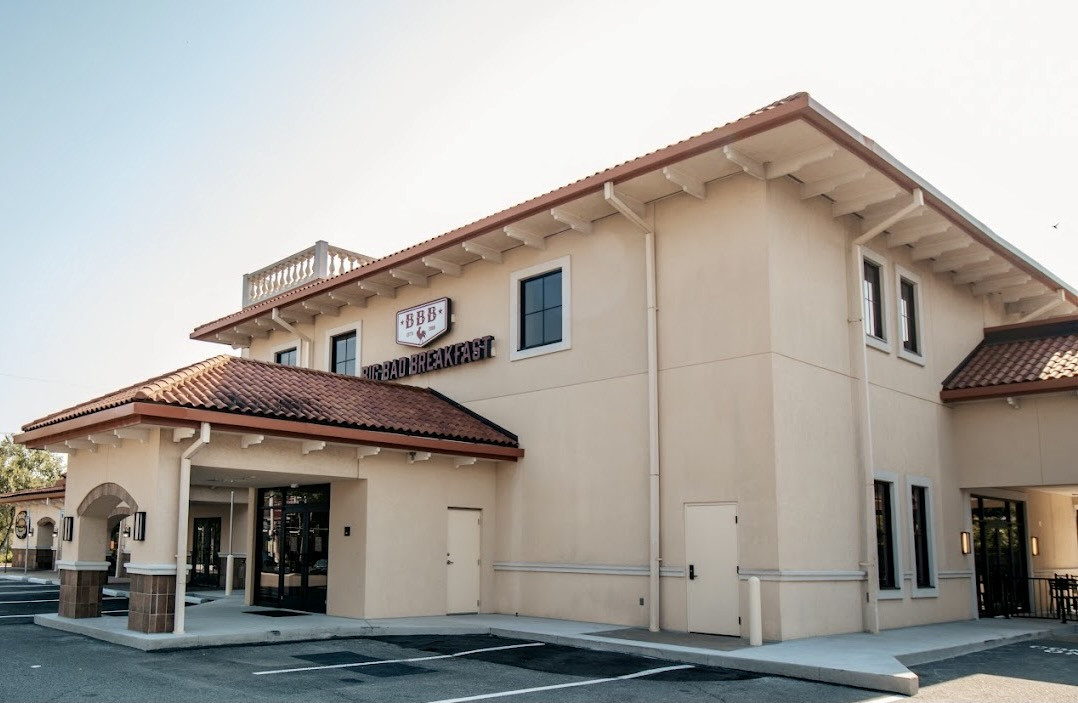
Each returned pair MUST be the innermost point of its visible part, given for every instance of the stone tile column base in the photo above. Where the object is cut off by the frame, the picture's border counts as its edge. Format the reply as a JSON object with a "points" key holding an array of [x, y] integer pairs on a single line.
{"points": [[152, 607], [80, 593]]}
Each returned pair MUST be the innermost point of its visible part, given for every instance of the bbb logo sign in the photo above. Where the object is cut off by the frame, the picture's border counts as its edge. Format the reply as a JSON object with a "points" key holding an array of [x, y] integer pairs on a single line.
{"points": [[420, 325]]}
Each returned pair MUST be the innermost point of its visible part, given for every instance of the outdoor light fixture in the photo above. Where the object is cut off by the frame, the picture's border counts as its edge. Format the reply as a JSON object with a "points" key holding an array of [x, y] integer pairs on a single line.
{"points": [[140, 526], [55, 532], [69, 529], [967, 547], [1035, 546], [127, 531]]}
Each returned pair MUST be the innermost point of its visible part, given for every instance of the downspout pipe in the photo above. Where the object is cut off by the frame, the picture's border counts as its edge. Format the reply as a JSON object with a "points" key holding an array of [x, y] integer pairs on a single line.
{"points": [[862, 410], [305, 342], [181, 524], [634, 215]]}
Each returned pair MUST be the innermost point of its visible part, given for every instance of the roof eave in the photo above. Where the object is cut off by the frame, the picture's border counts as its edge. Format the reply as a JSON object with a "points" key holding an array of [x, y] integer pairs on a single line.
{"points": [[171, 416], [1051, 385], [721, 136]]}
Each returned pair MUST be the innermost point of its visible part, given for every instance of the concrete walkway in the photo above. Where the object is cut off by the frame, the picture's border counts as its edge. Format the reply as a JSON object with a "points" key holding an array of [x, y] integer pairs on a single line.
{"points": [[877, 662]]}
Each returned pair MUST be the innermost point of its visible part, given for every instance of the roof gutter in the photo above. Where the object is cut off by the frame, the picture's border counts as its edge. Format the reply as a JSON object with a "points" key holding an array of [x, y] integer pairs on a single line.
{"points": [[305, 342]]}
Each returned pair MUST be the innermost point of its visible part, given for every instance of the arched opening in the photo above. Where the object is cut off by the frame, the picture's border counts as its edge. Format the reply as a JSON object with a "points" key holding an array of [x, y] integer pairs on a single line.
{"points": [[100, 515], [43, 533]]}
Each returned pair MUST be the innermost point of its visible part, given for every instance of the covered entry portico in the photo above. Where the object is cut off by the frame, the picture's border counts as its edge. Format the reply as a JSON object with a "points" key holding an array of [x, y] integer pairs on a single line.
{"points": [[345, 487], [1015, 410]]}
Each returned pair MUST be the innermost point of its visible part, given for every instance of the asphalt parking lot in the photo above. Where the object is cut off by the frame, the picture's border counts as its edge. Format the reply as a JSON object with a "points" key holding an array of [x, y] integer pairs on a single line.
{"points": [[19, 602], [41, 664]]}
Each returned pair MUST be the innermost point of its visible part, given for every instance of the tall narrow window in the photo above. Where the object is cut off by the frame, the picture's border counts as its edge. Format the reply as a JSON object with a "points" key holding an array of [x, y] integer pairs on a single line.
{"points": [[873, 295], [344, 354], [540, 310], [885, 536], [288, 357], [921, 537], [907, 311]]}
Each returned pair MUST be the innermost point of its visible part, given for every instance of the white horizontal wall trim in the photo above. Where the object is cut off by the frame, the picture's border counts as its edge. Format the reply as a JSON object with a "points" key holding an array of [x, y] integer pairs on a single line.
{"points": [[83, 565], [957, 574], [608, 569], [153, 569], [806, 575]]}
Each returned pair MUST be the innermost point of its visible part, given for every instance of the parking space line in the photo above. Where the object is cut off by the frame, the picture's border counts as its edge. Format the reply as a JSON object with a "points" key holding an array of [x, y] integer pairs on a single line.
{"points": [[398, 661], [30, 615], [55, 600], [571, 684]]}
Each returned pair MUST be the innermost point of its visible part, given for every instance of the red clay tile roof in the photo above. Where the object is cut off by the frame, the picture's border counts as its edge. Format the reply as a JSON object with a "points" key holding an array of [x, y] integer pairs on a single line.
{"points": [[1018, 359], [57, 488], [240, 386]]}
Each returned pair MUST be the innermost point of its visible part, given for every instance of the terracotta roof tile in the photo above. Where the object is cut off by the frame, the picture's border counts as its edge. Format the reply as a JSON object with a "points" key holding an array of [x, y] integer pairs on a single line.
{"points": [[31, 493], [1020, 354], [233, 385]]}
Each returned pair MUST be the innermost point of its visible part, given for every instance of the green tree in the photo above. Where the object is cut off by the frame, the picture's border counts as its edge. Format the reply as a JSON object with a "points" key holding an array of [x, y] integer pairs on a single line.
{"points": [[22, 468]]}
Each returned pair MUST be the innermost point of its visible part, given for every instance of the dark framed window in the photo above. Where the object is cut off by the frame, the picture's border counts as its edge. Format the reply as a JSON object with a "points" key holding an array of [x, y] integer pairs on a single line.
{"points": [[344, 354], [288, 357], [922, 558], [873, 295], [907, 316], [540, 310], [885, 535]]}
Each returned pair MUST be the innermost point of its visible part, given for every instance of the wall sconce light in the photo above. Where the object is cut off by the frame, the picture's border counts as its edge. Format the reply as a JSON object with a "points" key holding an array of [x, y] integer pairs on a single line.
{"points": [[1035, 546], [69, 529], [140, 526], [55, 533], [127, 531], [967, 545], [29, 530]]}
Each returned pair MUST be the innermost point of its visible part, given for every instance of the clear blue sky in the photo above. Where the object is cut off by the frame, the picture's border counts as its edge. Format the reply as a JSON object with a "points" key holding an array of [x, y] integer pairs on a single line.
{"points": [[150, 153]]}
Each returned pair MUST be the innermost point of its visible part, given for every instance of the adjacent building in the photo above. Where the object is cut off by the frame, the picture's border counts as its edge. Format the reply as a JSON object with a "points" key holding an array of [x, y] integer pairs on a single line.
{"points": [[769, 350]]}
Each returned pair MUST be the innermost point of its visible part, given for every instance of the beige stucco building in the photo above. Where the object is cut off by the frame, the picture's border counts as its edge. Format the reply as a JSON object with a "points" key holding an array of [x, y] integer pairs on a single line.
{"points": [[734, 357], [33, 539]]}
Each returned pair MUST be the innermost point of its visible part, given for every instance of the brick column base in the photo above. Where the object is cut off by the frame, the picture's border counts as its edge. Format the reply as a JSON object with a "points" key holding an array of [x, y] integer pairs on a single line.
{"points": [[153, 603], [80, 593]]}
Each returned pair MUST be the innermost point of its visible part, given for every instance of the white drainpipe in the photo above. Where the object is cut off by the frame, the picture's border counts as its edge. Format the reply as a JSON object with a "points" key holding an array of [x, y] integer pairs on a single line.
{"points": [[654, 516], [305, 342], [862, 409], [181, 525]]}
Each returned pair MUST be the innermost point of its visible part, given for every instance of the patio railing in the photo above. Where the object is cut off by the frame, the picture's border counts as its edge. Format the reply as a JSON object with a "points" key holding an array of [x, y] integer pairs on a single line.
{"points": [[1040, 597]]}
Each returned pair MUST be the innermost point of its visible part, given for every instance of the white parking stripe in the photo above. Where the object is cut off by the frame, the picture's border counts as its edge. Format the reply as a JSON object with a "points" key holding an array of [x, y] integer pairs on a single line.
{"points": [[398, 661], [41, 589], [30, 615], [55, 600], [572, 684]]}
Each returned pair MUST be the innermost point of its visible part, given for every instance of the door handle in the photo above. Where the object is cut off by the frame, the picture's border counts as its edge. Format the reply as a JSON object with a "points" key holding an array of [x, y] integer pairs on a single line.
{"points": [[448, 562], [692, 571]]}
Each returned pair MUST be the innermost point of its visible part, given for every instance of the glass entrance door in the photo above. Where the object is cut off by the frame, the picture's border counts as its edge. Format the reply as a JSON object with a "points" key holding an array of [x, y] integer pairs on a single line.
{"points": [[205, 569], [294, 548], [999, 539]]}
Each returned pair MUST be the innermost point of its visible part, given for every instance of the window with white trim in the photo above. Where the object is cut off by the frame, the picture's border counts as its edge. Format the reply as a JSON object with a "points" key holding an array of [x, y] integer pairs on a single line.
{"points": [[287, 357], [873, 295], [539, 309], [890, 577], [910, 320], [341, 349], [922, 537]]}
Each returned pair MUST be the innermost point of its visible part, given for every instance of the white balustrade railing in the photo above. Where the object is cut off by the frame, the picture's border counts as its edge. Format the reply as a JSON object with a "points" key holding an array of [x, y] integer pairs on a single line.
{"points": [[311, 264]]}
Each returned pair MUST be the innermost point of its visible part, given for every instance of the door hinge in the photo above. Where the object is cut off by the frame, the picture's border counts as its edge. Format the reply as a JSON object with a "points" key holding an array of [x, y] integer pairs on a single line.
{"points": [[737, 569], [735, 519], [738, 619], [476, 602]]}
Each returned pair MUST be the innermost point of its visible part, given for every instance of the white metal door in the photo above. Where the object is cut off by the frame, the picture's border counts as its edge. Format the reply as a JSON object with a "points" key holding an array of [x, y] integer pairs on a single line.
{"points": [[711, 569], [462, 561]]}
